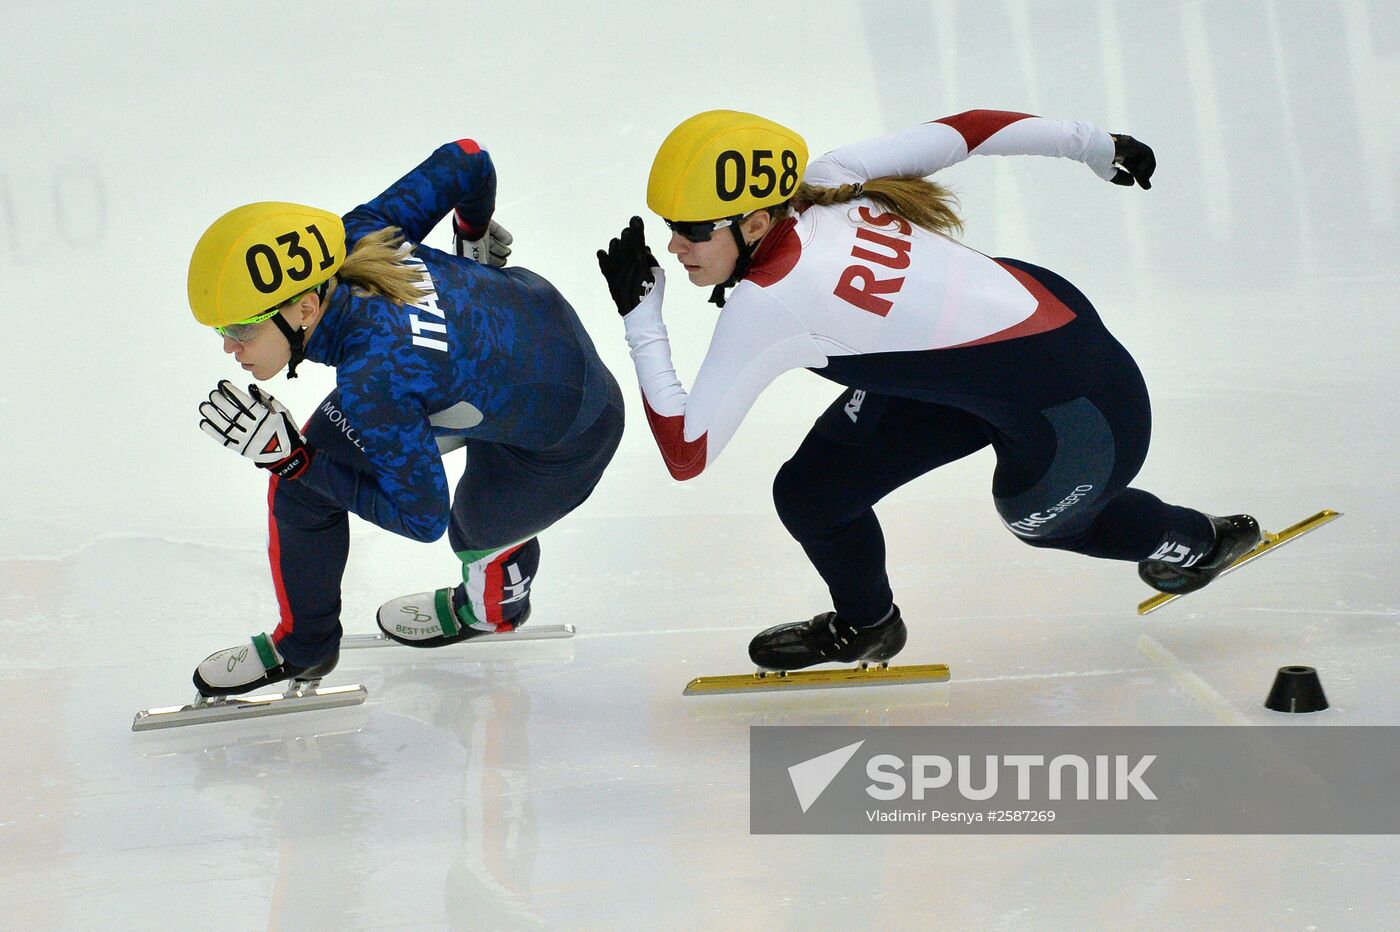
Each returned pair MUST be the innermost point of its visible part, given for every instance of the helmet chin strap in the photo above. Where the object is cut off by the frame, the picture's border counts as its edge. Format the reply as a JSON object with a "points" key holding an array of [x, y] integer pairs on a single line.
{"points": [[741, 267], [296, 339]]}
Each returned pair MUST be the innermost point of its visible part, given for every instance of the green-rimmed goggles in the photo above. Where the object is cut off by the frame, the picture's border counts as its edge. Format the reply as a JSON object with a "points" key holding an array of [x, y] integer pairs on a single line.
{"points": [[245, 330]]}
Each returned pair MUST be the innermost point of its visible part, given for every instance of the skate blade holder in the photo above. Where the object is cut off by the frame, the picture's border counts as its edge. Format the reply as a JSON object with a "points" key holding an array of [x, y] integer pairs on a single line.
{"points": [[523, 633], [1267, 544], [776, 680], [300, 696]]}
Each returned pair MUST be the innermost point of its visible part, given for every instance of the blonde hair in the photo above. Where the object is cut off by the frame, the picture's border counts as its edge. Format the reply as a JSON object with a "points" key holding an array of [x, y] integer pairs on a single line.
{"points": [[922, 202], [376, 266]]}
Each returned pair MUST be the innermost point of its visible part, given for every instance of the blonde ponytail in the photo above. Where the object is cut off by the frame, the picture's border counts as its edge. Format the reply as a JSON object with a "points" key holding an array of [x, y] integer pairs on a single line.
{"points": [[922, 202], [376, 266]]}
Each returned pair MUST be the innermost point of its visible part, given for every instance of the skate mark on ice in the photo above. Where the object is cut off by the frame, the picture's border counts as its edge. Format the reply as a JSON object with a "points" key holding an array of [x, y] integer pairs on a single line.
{"points": [[1190, 682]]}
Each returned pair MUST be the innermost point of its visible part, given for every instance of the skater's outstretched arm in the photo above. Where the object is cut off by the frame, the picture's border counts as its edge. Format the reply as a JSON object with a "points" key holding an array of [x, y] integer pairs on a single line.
{"points": [[458, 175], [932, 147]]}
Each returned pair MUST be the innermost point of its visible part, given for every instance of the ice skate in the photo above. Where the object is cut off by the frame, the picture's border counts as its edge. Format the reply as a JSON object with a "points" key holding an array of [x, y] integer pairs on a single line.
{"points": [[827, 638], [781, 653], [224, 676], [1235, 536], [431, 619], [237, 670], [1238, 541]]}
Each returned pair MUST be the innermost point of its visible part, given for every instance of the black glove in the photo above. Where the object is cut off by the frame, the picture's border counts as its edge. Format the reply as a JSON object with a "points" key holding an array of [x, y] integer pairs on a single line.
{"points": [[1134, 161], [257, 426], [627, 265]]}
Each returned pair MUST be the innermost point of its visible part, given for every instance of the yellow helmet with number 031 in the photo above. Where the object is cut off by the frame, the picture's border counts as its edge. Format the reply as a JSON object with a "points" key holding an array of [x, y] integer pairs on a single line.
{"points": [[723, 163], [257, 256]]}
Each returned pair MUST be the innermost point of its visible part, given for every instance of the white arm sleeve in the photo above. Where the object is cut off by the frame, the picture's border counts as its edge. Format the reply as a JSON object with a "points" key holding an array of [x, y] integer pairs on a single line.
{"points": [[756, 339], [931, 147]]}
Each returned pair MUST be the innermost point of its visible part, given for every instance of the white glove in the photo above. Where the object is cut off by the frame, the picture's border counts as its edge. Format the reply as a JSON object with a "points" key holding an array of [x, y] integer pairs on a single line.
{"points": [[493, 248], [258, 426]]}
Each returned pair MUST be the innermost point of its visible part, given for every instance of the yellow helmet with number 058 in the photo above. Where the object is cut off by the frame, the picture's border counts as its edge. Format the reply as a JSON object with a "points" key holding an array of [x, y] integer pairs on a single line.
{"points": [[723, 163], [257, 256]]}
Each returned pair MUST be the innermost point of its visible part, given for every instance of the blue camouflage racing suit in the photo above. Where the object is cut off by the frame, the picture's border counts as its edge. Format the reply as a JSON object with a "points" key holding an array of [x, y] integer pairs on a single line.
{"points": [[490, 359]]}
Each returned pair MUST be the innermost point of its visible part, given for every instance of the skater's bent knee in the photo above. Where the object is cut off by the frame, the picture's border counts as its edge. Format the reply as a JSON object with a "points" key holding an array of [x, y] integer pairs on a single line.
{"points": [[802, 503], [303, 506], [1062, 525]]}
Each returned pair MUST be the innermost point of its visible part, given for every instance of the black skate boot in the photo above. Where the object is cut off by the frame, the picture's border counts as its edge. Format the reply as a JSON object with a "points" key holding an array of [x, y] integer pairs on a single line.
{"points": [[827, 638], [238, 670], [1235, 535]]}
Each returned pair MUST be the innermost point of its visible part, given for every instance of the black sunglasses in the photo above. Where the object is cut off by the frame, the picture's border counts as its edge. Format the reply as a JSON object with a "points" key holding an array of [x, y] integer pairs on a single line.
{"points": [[700, 231]]}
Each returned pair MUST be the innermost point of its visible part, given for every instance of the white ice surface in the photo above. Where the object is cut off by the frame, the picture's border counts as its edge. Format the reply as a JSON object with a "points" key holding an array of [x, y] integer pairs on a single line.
{"points": [[568, 784]]}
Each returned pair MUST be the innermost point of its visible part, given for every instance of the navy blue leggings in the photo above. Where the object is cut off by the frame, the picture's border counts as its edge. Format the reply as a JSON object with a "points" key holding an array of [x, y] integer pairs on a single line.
{"points": [[1061, 477]]}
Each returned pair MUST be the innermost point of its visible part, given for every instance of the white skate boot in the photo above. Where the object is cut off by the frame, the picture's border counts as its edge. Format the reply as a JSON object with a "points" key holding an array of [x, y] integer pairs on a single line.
{"points": [[237, 670], [429, 619]]}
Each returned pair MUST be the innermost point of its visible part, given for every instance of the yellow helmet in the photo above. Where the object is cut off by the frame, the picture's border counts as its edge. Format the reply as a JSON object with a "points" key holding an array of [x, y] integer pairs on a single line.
{"points": [[722, 163], [257, 256]]}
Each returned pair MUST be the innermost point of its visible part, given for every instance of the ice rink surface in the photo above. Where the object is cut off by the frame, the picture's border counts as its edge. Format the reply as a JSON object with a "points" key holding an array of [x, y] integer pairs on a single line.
{"points": [[568, 784]]}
